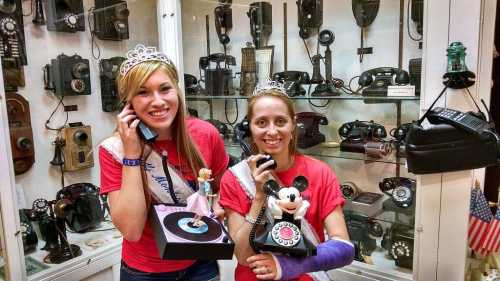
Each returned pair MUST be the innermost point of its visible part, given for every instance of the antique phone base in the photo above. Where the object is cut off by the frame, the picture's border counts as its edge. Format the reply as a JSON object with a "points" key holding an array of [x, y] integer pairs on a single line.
{"points": [[325, 90], [62, 253]]}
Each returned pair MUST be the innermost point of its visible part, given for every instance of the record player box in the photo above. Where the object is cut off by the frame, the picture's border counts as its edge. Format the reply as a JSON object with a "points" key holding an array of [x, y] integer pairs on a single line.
{"points": [[175, 243]]}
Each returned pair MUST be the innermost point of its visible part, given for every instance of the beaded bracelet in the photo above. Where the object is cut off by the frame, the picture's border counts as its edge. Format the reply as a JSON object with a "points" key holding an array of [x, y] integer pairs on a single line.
{"points": [[252, 221], [131, 162]]}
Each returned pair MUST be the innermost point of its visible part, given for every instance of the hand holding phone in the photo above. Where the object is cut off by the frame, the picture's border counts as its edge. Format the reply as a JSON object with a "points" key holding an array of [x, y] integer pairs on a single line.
{"points": [[267, 157]]}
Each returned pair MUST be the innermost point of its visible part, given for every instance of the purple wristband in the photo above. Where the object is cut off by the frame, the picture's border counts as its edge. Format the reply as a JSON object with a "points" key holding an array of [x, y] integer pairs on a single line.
{"points": [[131, 162], [330, 254]]}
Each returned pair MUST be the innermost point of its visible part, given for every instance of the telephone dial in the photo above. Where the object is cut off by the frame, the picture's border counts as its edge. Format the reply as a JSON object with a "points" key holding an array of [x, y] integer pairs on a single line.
{"points": [[308, 129], [400, 189], [82, 207], [108, 71], [375, 81], [30, 239], [261, 22], [292, 81], [398, 241], [67, 75], [77, 149], [65, 15], [21, 133], [12, 43], [310, 16], [111, 20]]}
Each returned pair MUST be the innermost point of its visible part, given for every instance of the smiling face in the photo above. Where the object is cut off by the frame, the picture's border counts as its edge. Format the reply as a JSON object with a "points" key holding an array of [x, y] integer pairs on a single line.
{"points": [[272, 126], [156, 103]]}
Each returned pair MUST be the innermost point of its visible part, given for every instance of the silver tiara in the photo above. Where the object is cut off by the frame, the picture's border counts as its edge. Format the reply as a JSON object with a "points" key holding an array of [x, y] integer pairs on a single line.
{"points": [[141, 54], [269, 85]]}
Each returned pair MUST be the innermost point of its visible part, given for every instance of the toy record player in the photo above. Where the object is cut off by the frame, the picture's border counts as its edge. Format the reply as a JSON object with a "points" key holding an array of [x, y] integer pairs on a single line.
{"points": [[177, 238]]}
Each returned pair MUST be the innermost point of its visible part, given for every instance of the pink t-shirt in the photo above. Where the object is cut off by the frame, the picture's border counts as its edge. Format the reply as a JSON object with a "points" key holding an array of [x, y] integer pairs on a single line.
{"points": [[143, 254], [323, 194]]}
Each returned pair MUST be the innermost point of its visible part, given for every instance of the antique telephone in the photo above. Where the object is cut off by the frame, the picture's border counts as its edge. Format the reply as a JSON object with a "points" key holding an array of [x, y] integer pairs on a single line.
{"points": [[65, 15], [223, 21], [39, 17], [30, 239], [365, 12], [221, 127], [310, 17], [375, 81], [398, 240], [248, 78], [13, 74], [364, 137], [67, 75], [284, 235], [417, 16], [77, 148], [111, 20], [363, 232], [261, 22], [21, 133], [108, 71], [308, 129], [330, 87], [83, 209], [400, 189], [218, 80], [292, 81], [191, 85], [241, 133], [415, 74], [12, 43]]}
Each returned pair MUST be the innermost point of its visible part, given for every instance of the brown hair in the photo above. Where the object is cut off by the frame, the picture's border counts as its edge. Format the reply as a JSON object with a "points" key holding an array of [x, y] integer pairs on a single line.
{"points": [[292, 146], [128, 87]]}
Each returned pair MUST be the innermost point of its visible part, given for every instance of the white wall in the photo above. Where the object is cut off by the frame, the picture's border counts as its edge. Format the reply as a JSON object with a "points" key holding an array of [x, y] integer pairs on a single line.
{"points": [[43, 179]]}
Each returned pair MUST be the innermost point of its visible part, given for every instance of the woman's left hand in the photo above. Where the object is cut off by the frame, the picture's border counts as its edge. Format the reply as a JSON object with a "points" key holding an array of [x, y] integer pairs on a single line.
{"points": [[263, 266]]}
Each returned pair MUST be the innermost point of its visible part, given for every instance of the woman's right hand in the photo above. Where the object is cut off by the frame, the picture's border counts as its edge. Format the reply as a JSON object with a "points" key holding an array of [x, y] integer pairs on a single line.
{"points": [[127, 128], [260, 174]]}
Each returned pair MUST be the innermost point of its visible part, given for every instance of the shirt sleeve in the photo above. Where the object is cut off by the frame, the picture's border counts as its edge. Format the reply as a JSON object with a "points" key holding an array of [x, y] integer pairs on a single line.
{"points": [[232, 195], [111, 172], [331, 197]]}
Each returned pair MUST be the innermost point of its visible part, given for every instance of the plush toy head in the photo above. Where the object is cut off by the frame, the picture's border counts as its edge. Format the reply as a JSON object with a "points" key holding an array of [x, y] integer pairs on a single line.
{"points": [[289, 199]]}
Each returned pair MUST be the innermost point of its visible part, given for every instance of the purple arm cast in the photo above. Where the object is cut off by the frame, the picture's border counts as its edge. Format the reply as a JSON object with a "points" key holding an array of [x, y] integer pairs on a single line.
{"points": [[330, 254]]}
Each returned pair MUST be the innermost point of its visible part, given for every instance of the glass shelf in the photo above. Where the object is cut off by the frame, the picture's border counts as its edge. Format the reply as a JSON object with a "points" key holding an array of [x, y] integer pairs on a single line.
{"points": [[327, 151], [341, 97]]}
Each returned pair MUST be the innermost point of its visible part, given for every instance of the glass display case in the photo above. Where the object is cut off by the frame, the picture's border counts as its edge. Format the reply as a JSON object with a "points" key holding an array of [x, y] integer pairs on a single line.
{"points": [[346, 61]]}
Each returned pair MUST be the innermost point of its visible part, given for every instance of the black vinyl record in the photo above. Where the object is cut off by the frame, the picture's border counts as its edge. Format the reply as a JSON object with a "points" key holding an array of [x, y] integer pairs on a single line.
{"points": [[177, 224]]}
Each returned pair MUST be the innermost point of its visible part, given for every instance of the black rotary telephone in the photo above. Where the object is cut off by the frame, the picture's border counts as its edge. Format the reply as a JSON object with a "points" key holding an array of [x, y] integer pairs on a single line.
{"points": [[65, 15], [108, 71], [363, 232], [398, 240], [12, 43], [284, 235], [293, 81], [361, 130], [30, 239], [400, 189], [308, 129], [375, 81]]}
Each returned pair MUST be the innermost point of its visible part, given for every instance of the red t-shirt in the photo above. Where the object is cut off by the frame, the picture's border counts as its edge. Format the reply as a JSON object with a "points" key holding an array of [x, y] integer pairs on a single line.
{"points": [[323, 194], [143, 254]]}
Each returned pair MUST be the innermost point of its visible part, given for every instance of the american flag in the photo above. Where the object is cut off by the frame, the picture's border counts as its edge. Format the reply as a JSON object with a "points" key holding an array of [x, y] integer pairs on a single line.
{"points": [[479, 220], [491, 240]]}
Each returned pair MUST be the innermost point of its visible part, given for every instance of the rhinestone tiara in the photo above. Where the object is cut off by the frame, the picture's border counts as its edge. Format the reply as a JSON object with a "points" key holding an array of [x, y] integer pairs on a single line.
{"points": [[269, 85], [141, 54]]}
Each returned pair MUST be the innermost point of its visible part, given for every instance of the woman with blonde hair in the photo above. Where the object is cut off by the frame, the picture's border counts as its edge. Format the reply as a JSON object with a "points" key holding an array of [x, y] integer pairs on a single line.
{"points": [[135, 173]]}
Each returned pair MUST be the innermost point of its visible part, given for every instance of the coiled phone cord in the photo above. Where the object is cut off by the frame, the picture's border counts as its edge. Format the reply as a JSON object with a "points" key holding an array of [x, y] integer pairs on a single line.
{"points": [[253, 231]]}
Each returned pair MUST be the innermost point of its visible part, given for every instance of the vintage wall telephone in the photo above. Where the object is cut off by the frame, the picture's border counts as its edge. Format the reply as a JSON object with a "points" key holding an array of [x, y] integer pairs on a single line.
{"points": [[67, 75], [21, 133], [375, 81], [65, 15], [111, 20], [108, 71], [12, 43], [308, 129], [82, 206], [417, 14], [293, 81], [223, 20], [218, 80], [400, 189], [365, 12], [77, 149], [310, 16], [285, 235], [13, 74], [261, 22]]}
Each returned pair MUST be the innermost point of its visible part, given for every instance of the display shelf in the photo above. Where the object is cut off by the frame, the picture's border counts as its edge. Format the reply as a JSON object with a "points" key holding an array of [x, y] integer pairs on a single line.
{"points": [[92, 260], [341, 97]]}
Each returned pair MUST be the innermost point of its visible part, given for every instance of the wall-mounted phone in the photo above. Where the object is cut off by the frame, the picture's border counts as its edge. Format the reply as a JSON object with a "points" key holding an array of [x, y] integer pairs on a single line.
{"points": [[12, 43], [21, 133], [293, 81], [223, 21], [310, 17], [111, 20], [365, 12], [375, 81], [417, 14], [68, 75], [219, 79], [13, 74], [108, 70], [261, 22], [77, 147], [308, 129], [65, 15]]}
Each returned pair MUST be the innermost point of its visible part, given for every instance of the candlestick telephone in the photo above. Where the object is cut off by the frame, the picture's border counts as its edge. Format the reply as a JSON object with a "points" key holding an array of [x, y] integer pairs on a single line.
{"points": [[375, 81]]}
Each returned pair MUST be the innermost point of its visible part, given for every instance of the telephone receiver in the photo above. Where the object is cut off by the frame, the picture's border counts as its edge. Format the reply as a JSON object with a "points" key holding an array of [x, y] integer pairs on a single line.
{"points": [[293, 81], [383, 77], [145, 132], [223, 20], [358, 130]]}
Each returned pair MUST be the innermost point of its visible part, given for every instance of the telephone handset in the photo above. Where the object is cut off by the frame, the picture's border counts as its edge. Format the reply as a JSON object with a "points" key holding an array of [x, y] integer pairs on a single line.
{"points": [[223, 21], [293, 81], [145, 132], [378, 79], [468, 121]]}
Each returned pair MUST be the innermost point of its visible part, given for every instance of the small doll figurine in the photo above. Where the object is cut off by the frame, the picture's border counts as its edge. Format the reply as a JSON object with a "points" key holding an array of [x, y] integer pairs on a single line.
{"points": [[288, 201], [198, 202]]}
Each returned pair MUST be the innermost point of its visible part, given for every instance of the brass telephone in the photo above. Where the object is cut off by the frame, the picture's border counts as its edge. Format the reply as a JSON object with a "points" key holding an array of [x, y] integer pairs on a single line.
{"points": [[77, 150]]}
